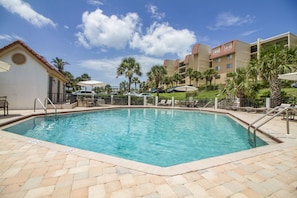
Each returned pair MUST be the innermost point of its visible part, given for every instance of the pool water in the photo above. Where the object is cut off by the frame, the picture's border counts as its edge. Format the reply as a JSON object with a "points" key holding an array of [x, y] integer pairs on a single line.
{"points": [[161, 137]]}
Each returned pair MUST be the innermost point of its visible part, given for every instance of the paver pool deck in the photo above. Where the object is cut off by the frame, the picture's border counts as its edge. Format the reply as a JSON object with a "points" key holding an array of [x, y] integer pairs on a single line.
{"points": [[33, 168]]}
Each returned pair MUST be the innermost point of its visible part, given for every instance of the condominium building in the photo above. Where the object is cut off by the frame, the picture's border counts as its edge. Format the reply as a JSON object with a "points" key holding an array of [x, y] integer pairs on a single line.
{"points": [[224, 58]]}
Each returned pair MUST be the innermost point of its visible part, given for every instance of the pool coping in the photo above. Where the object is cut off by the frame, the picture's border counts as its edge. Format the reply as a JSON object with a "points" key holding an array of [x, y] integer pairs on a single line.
{"points": [[147, 168]]}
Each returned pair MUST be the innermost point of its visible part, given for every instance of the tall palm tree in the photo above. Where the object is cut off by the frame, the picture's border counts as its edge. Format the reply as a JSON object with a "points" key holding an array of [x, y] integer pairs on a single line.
{"points": [[135, 80], [177, 78], [274, 60], [197, 75], [189, 73], [59, 63], [157, 74], [209, 74], [129, 67]]}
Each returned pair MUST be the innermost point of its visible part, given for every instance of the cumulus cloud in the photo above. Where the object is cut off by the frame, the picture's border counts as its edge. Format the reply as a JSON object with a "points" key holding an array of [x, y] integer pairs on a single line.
{"points": [[101, 30], [161, 39], [25, 11], [228, 19]]}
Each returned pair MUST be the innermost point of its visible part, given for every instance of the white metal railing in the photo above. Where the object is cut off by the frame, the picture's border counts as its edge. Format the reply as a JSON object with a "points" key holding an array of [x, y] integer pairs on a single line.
{"points": [[44, 105]]}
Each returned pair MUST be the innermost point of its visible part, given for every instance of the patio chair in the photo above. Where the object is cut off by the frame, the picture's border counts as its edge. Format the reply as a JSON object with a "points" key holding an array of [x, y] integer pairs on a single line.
{"points": [[162, 102], [4, 104], [168, 102]]}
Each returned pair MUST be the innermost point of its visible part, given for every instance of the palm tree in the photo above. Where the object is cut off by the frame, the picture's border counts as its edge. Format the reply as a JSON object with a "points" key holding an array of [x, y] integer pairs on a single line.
{"points": [[135, 80], [274, 60], [59, 63], [197, 76], [123, 85], [176, 78], [157, 74], [209, 74], [189, 73], [129, 67]]}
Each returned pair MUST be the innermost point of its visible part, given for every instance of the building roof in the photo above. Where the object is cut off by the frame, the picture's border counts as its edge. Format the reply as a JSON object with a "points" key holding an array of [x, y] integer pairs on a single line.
{"points": [[50, 69]]}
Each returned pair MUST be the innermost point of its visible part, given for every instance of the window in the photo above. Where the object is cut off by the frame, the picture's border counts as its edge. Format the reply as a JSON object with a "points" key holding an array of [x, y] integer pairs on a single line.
{"points": [[228, 66], [218, 68], [218, 60], [229, 56], [228, 46], [216, 50]]}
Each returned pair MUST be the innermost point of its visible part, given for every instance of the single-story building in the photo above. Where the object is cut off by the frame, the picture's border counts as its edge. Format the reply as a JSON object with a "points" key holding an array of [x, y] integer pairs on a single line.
{"points": [[29, 77]]}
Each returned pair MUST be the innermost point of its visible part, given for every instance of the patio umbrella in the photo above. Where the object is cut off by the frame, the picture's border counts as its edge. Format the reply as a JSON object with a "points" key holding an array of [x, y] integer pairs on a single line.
{"points": [[4, 67], [288, 76], [186, 88], [92, 84]]}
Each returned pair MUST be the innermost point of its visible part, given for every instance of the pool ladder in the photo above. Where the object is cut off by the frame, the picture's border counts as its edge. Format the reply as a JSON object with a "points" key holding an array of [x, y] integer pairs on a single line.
{"points": [[279, 111], [44, 105]]}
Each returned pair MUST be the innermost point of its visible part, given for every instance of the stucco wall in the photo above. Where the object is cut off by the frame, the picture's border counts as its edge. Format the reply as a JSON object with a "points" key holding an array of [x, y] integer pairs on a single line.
{"points": [[23, 83]]}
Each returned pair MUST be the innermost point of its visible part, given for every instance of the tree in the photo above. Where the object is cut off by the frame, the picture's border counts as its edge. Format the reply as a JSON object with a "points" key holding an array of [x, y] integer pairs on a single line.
{"points": [[189, 73], [197, 75], [59, 64], [129, 67], [209, 74], [135, 80], [70, 78], [176, 78], [123, 85], [157, 74], [274, 60]]}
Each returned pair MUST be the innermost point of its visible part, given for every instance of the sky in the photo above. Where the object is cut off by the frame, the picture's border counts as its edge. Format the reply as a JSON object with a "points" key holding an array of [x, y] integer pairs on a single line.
{"points": [[94, 36]]}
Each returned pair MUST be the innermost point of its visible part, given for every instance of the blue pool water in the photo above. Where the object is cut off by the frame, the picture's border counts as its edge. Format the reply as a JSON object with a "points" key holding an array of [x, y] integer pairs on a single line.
{"points": [[161, 137]]}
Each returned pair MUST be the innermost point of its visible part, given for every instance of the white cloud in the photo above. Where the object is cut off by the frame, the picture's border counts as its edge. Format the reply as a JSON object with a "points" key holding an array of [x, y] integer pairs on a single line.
{"points": [[25, 11], [94, 2], [247, 33], [161, 39], [227, 20], [154, 11], [100, 30], [10, 37]]}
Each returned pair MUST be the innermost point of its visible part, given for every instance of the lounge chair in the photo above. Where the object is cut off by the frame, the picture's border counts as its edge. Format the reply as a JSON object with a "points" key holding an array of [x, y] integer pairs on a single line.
{"points": [[168, 102], [162, 102], [4, 104]]}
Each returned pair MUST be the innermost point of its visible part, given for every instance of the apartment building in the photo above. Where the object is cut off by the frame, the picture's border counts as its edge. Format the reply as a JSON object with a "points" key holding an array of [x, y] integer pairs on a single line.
{"points": [[224, 58], [228, 57]]}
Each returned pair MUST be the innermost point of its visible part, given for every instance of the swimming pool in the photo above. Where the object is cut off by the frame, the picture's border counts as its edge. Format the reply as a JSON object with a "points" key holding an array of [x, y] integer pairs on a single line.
{"points": [[162, 137]]}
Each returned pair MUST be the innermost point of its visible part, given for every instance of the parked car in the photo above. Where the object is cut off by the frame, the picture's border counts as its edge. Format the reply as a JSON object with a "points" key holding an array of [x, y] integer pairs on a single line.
{"points": [[155, 90], [145, 94], [294, 85], [83, 93]]}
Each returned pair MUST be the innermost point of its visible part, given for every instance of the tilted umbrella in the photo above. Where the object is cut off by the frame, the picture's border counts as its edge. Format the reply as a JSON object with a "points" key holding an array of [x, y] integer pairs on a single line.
{"points": [[186, 88], [4, 67]]}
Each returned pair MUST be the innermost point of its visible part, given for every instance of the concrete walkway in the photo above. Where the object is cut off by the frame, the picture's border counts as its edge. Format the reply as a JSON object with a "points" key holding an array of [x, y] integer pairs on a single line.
{"points": [[33, 168]]}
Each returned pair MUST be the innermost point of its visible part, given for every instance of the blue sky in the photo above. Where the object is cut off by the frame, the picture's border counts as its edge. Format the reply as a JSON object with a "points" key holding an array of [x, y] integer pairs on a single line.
{"points": [[95, 35]]}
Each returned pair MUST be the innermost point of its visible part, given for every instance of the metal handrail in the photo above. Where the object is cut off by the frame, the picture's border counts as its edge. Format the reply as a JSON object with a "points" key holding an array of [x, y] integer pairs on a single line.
{"points": [[279, 112], [44, 108], [49, 100]]}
